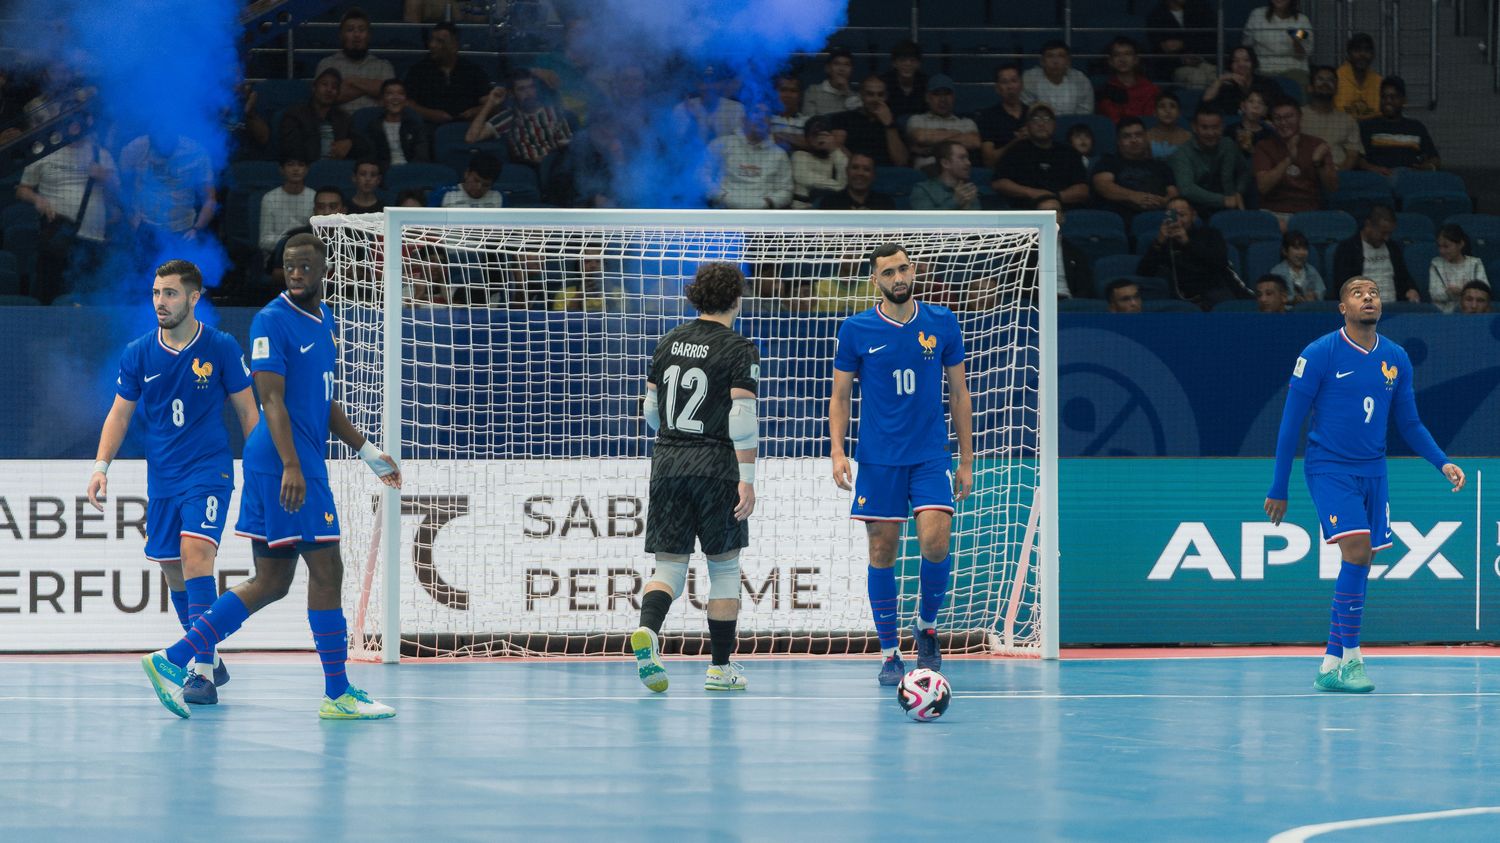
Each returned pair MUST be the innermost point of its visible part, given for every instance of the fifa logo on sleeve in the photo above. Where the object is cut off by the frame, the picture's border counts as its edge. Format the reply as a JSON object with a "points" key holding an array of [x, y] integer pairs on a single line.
{"points": [[929, 344], [1390, 373], [203, 371]]}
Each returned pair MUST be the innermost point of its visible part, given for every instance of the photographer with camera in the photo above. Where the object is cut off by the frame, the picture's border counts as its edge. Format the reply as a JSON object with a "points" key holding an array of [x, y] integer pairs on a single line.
{"points": [[1193, 259], [1282, 37]]}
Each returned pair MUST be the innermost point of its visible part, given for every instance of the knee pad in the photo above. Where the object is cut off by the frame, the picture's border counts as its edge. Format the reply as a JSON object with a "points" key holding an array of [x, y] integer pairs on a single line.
{"points": [[671, 570], [724, 579]]}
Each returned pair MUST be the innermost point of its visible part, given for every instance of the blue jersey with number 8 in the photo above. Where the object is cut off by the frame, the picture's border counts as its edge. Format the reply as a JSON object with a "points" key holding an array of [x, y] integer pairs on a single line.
{"points": [[300, 347]]}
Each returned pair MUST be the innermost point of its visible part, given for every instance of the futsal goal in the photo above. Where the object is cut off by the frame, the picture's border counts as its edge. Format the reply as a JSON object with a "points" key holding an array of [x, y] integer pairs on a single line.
{"points": [[501, 356]]}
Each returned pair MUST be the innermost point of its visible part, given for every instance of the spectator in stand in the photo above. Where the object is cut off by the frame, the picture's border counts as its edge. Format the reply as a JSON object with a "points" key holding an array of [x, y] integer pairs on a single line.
{"points": [[1282, 36], [950, 189], [570, 74], [833, 94], [1475, 299], [1123, 296], [444, 87], [925, 131], [361, 72], [820, 169], [1292, 170], [1272, 295], [905, 82], [1454, 268], [1253, 126], [1002, 125], [711, 113], [1040, 167], [1166, 135], [871, 129], [1302, 278], [753, 171], [1333, 125], [531, 130], [1056, 84], [1081, 138], [1193, 259], [71, 189], [367, 178], [398, 137], [788, 125], [1243, 76], [1075, 273], [250, 134], [317, 128], [475, 191], [286, 207], [1127, 92], [1359, 86], [1210, 173], [168, 184], [1372, 253], [857, 195], [1131, 181], [328, 200], [1394, 140], [1183, 53]]}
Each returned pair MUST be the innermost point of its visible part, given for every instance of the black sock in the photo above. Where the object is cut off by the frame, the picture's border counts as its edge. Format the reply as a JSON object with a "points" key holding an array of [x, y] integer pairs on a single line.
{"points": [[721, 639], [654, 608]]}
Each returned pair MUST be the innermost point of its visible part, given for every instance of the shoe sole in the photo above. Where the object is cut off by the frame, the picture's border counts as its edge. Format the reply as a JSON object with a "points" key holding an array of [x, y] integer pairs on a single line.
{"points": [[159, 683], [324, 715], [710, 686], [647, 666], [1341, 689]]}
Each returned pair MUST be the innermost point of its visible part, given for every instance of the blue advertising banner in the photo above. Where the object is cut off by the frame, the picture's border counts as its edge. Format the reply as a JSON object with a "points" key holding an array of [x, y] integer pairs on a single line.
{"points": [[1168, 551]]}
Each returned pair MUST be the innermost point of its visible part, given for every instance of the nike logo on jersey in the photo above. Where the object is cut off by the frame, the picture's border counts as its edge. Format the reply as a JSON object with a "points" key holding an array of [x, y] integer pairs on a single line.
{"points": [[876, 348], [206, 526], [150, 378], [1337, 375], [304, 348]]}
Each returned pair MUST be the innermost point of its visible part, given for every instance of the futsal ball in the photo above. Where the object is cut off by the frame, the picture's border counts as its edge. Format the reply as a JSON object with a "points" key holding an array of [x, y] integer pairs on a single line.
{"points": [[924, 694]]}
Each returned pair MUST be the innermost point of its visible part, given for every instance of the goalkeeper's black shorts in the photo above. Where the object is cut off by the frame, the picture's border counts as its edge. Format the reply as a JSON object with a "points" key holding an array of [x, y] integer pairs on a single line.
{"points": [[682, 509]]}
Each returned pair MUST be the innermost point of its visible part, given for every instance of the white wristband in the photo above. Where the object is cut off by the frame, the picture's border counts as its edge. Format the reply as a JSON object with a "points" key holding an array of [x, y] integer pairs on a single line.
{"points": [[747, 473], [101, 467], [371, 455]]}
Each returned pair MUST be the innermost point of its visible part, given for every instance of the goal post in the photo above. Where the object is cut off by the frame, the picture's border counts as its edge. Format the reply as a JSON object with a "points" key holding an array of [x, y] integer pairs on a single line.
{"points": [[500, 355]]}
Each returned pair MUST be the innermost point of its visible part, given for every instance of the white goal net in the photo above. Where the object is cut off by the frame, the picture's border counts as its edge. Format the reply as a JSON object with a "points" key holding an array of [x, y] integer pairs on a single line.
{"points": [[513, 347]]}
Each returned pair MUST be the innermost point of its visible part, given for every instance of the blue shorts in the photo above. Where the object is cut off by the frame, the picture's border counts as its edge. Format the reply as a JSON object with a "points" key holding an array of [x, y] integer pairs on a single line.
{"points": [[199, 514], [1348, 504], [261, 515], [893, 492]]}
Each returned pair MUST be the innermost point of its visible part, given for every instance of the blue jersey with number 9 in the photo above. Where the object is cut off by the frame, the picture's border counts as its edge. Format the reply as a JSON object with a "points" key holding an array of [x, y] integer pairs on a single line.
{"points": [[1353, 392], [300, 347]]}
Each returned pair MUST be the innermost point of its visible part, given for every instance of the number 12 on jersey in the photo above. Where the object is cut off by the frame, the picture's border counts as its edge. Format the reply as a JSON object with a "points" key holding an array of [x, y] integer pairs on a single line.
{"points": [[694, 380]]}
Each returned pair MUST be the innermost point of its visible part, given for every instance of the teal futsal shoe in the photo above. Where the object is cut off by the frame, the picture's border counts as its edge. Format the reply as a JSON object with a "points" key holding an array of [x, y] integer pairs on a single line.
{"points": [[1347, 678], [644, 643], [354, 704], [167, 680]]}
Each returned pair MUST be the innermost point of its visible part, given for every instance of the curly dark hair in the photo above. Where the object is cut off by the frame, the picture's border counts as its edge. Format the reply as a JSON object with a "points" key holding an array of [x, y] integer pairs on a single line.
{"points": [[716, 287]]}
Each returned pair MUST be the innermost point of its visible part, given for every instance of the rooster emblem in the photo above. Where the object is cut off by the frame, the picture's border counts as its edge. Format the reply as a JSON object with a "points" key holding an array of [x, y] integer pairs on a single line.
{"points": [[861, 500], [1390, 373], [328, 518], [202, 370], [929, 344]]}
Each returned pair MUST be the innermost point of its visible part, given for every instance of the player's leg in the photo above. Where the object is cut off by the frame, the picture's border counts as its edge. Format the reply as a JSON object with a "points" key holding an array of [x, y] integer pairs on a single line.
{"points": [[932, 500], [1343, 515], [670, 536], [881, 500], [202, 516], [164, 547], [723, 537]]}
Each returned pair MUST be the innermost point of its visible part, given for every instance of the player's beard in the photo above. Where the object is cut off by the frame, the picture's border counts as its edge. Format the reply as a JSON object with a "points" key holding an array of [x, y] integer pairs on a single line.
{"points": [[171, 320], [311, 294], [897, 298]]}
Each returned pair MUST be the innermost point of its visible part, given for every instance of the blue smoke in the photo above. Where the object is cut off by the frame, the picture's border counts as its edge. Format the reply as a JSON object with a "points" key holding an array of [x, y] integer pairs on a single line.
{"points": [[672, 41]]}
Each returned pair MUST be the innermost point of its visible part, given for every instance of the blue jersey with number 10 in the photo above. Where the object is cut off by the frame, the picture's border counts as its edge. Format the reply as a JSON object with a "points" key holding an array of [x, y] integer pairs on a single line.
{"points": [[900, 370], [293, 343]]}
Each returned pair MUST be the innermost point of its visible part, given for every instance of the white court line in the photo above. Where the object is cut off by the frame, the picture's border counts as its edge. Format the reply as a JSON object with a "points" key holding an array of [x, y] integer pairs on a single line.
{"points": [[1302, 833]]}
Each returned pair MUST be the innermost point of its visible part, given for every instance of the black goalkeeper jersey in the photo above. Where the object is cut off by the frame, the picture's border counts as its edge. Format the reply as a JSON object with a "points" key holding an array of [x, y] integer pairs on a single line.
{"points": [[694, 368]]}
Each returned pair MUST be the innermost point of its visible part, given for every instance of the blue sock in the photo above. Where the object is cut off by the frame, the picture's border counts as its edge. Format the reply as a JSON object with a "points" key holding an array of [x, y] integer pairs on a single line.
{"points": [[331, 638], [1335, 640], [1349, 602], [201, 593], [180, 603], [934, 584], [883, 598], [217, 623]]}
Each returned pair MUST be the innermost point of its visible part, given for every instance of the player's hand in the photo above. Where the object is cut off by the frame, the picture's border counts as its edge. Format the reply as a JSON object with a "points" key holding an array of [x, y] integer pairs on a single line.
{"points": [[963, 482], [99, 487], [746, 505], [394, 478], [843, 475], [1276, 509], [293, 488], [1455, 476]]}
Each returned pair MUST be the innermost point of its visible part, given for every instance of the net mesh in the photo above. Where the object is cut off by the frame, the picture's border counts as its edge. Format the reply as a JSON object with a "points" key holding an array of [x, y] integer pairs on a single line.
{"points": [[524, 352]]}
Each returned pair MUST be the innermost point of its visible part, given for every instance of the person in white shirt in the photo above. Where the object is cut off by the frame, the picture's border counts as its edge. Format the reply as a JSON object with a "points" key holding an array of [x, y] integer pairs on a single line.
{"points": [[72, 182], [1282, 37], [925, 131], [833, 94], [753, 172], [1453, 268], [821, 168], [475, 190], [286, 207], [1057, 84], [362, 72]]}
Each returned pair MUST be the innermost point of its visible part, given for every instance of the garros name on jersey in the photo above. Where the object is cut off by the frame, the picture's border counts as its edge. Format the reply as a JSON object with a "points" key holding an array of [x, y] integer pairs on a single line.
{"points": [[689, 349]]}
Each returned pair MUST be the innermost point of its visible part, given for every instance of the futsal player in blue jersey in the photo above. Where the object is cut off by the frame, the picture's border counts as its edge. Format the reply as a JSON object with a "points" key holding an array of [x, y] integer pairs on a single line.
{"points": [[900, 350], [1352, 379], [179, 374], [286, 508]]}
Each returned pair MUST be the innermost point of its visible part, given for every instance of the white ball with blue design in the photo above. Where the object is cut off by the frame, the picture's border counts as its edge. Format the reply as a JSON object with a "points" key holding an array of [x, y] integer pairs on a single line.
{"points": [[924, 694]]}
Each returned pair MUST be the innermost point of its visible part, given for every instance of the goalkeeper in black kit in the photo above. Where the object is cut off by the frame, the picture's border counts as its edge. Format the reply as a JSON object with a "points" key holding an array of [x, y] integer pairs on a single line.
{"points": [[700, 401]]}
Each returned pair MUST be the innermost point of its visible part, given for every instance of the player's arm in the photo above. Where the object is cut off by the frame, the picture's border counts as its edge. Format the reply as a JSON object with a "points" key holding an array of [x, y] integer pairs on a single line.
{"points": [[272, 389], [245, 410], [650, 409], [1416, 434], [838, 427], [961, 405], [110, 437], [379, 462], [744, 432]]}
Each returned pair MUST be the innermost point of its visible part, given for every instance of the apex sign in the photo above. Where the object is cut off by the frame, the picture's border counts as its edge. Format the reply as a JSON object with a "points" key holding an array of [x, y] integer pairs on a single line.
{"points": [[1193, 548]]}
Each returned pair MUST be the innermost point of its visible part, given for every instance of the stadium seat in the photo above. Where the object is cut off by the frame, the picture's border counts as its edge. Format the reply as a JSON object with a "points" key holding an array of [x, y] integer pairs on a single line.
{"points": [[274, 95], [1166, 305], [18, 301], [1241, 228], [1291, 88], [1319, 306], [897, 181], [1259, 258], [20, 213], [9, 263], [1324, 227], [253, 176], [1102, 127], [67, 300], [333, 172], [1109, 267], [1077, 305], [419, 175], [1097, 244], [1237, 306], [1438, 195], [1364, 181], [10, 282], [1418, 257], [518, 184], [360, 120], [1413, 228], [1145, 226], [1404, 306]]}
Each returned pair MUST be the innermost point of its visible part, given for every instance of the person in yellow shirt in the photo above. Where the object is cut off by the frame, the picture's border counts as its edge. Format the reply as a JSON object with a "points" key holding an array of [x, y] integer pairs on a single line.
{"points": [[1359, 86]]}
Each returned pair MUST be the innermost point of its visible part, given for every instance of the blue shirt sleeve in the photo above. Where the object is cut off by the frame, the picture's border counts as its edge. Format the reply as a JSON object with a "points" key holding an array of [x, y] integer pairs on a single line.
{"points": [[1292, 417], [953, 350], [1409, 423], [128, 384], [1309, 371], [236, 372], [267, 351], [846, 359]]}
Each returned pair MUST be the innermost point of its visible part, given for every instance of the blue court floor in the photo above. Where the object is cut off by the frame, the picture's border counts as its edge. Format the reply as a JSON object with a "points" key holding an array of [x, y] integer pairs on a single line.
{"points": [[1220, 749]]}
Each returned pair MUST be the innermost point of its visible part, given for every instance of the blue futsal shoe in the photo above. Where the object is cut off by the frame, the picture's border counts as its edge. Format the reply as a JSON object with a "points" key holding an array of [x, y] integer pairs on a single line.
{"points": [[221, 673], [199, 690], [167, 680], [892, 671], [928, 654]]}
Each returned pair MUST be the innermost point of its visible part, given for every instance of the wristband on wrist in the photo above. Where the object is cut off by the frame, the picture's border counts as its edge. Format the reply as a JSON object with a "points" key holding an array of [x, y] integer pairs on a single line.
{"points": [[101, 467], [371, 455], [747, 473]]}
